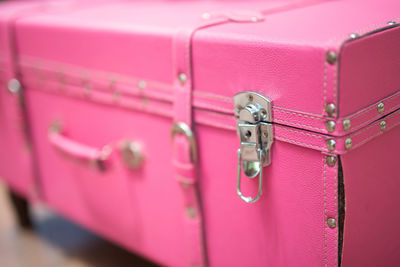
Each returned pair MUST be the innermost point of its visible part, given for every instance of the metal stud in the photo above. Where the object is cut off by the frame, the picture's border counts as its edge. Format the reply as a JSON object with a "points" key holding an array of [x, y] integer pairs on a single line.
{"points": [[382, 125], [330, 109], [331, 57], [182, 78], [346, 125], [381, 108], [14, 86], [206, 15], [331, 144], [348, 143], [254, 19], [392, 22], [331, 161], [142, 84], [331, 222], [330, 126], [191, 212], [354, 35]]}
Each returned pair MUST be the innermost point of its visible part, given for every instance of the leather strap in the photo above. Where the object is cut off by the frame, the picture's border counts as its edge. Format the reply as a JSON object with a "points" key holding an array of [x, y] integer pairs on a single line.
{"points": [[184, 167], [183, 160]]}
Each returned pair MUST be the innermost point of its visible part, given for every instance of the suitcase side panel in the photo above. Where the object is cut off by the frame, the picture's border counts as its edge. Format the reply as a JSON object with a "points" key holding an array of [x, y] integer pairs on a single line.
{"points": [[287, 225], [372, 180], [16, 159], [369, 72], [141, 209]]}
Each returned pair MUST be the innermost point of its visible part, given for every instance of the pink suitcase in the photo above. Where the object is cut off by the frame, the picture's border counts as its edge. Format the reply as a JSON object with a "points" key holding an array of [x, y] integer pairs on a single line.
{"points": [[220, 133]]}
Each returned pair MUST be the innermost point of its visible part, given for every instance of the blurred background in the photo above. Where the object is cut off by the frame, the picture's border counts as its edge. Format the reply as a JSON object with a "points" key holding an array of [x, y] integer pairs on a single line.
{"points": [[53, 241]]}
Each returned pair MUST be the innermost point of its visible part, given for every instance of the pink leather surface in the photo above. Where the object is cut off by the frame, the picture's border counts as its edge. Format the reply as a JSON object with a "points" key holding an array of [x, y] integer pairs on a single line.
{"points": [[16, 159], [117, 61], [368, 76], [280, 221], [286, 227], [284, 53], [371, 178], [124, 205]]}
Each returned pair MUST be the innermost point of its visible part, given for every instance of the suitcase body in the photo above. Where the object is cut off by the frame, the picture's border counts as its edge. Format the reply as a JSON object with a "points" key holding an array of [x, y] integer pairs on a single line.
{"points": [[136, 108]]}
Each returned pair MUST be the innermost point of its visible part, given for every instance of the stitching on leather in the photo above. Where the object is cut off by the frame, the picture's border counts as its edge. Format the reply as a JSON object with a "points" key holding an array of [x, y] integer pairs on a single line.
{"points": [[396, 95], [213, 96], [292, 123], [375, 135], [279, 109], [212, 123], [213, 107], [364, 30], [335, 85], [218, 115], [372, 125], [325, 214], [300, 143], [325, 84], [165, 112], [377, 116], [308, 134], [336, 215], [372, 136]]}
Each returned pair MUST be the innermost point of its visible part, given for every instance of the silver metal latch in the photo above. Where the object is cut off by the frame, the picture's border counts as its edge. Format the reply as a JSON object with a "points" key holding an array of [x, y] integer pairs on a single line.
{"points": [[253, 117]]}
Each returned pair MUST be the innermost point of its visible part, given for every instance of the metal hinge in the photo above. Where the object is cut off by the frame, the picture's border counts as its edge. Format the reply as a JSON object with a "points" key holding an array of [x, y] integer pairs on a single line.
{"points": [[253, 117]]}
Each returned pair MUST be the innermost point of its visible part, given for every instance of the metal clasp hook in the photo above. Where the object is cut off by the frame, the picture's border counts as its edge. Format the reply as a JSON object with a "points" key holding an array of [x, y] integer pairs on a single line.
{"points": [[258, 171], [254, 127]]}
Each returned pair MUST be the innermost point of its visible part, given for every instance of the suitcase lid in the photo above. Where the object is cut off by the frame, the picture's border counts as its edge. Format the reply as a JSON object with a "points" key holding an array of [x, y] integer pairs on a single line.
{"points": [[329, 69]]}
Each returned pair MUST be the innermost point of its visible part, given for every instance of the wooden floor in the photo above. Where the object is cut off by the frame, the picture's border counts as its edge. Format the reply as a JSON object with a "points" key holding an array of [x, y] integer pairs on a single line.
{"points": [[55, 242]]}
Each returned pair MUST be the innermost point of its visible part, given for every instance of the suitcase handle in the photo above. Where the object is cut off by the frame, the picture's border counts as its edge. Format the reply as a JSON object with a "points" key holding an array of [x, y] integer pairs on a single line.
{"points": [[77, 151]]}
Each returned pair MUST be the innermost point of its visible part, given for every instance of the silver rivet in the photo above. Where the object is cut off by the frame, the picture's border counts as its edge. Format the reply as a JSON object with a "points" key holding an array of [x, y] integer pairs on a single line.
{"points": [[331, 144], [254, 19], [206, 15], [142, 84], [330, 160], [330, 109], [331, 222], [392, 22], [14, 86], [330, 126], [381, 108], [182, 78], [354, 35], [346, 125], [382, 125], [263, 114], [331, 57], [348, 143], [191, 212]]}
